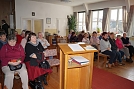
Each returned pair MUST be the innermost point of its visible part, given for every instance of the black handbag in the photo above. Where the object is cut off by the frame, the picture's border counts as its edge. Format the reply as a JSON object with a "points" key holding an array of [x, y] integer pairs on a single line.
{"points": [[13, 68], [44, 64]]}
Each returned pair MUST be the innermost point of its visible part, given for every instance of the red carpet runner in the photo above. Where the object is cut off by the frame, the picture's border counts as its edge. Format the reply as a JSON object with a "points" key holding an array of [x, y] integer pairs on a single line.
{"points": [[106, 80]]}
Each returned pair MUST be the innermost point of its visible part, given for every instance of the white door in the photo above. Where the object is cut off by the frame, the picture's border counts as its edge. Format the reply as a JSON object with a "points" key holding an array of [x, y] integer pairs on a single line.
{"points": [[61, 26], [34, 25]]}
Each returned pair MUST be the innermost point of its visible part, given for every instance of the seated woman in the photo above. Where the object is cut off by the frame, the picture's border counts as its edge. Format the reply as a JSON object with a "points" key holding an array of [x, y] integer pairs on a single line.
{"points": [[24, 40], [127, 44], [105, 48], [86, 39], [43, 41], [32, 60], [73, 37], [13, 54], [123, 48], [94, 41]]}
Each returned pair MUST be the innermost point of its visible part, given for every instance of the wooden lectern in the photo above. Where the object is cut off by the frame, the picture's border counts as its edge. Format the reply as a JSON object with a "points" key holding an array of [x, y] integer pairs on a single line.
{"points": [[73, 75]]}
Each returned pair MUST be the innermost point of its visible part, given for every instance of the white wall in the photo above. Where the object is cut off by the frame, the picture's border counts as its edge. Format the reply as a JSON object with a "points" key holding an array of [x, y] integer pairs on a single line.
{"points": [[24, 9], [101, 5]]}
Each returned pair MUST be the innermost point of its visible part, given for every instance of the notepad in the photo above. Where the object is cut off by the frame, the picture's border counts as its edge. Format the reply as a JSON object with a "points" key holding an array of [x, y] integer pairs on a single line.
{"points": [[76, 47], [80, 60], [89, 48]]}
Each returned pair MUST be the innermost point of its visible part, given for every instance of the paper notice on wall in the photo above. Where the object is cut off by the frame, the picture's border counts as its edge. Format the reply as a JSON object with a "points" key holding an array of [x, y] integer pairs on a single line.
{"points": [[76, 47]]}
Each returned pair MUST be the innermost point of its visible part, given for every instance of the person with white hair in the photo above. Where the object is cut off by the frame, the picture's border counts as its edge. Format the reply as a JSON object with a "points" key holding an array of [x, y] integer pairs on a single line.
{"points": [[42, 40]]}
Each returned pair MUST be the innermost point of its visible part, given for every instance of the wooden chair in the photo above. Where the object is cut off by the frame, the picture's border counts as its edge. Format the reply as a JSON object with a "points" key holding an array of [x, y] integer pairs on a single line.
{"points": [[104, 58], [53, 61]]}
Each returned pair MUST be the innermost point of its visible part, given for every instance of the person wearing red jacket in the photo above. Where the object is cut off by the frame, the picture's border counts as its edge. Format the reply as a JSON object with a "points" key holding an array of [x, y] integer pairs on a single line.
{"points": [[19, 37], [13, 54]]}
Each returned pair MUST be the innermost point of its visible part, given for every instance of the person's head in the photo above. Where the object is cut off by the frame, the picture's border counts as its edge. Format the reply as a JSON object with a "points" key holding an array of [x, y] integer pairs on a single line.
{"points": [[105, 35], [27, 34], [40, 35], [82, 32], [3, 21], [112, 35], [2, 36], [32, 37], [12, 40], [16, 33], [118, 36], [23, 33], [124, 35], [73, 34], [94, 34], [85, 35]]}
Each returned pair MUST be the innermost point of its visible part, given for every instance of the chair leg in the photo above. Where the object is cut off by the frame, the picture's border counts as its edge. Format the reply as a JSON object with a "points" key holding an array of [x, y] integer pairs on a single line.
{"points": [[105, 61]]}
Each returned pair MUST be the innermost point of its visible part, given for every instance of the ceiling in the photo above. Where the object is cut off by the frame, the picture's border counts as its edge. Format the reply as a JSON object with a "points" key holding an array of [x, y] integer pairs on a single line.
{"points": [[71, 3]]}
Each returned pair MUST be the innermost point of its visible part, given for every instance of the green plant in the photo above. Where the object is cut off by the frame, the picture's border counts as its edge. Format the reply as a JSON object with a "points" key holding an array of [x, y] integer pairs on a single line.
{"points": [[98, 30], [72, 23]]}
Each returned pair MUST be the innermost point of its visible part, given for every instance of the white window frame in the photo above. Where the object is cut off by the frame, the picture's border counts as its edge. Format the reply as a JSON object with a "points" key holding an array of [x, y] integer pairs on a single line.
{"points": [[117, 21]]}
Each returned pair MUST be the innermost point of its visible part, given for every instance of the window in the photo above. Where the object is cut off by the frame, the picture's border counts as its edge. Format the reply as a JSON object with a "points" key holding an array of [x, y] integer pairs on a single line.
{"points": [[81, 21], [97, 17], [116, 22]]}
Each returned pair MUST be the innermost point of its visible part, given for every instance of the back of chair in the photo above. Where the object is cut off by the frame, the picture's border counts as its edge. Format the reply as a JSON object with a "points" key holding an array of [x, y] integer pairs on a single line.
{"points": [[51, 52]]}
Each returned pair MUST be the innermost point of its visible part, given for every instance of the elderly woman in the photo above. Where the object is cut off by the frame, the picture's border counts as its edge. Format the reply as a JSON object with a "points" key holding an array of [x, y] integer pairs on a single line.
{"points": [[12, 54], [43, 41], [24, 40], [33, 50], [105, 48], [123, 48]]}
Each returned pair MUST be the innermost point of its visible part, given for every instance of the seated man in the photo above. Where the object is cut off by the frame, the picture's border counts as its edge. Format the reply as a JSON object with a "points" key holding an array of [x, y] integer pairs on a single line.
{"points": [[3, 40], [127, 44], [114, 48], [105, 48]]}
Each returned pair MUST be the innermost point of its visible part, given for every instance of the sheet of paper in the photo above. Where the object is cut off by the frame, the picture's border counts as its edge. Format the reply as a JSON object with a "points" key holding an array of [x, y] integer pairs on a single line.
{"points": [[76, 47], [90, 48]]}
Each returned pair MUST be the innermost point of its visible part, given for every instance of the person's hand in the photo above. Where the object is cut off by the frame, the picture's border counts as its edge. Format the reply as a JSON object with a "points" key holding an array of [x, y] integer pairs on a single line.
{"points": [[108, 49], [118, 50], [34, 56], [128, 45], [14, 63]]}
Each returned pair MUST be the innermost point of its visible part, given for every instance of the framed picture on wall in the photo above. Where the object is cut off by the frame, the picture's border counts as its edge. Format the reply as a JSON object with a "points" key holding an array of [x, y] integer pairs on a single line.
{"points": [[48, 20]]}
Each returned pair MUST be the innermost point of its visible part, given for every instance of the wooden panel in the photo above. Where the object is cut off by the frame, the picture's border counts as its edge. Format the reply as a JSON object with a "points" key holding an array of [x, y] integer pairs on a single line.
{"points": [[73, 78]]}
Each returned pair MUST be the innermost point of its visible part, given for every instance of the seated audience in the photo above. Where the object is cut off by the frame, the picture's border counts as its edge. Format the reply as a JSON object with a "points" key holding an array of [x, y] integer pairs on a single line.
{"points": [[23, 33], [13, 54], [73, 37], [86, 39], [123, 48], [94, 41], [89, 36], [69, 35], [105, 48], [24, 40], [80, 36], [114, 48], [19, 37], [42, 40], [34, 55], [3, 40], [127, 44]]}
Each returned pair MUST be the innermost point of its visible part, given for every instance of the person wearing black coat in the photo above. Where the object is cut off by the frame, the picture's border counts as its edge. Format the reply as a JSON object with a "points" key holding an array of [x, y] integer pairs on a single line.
{"points": [[5, 26]]}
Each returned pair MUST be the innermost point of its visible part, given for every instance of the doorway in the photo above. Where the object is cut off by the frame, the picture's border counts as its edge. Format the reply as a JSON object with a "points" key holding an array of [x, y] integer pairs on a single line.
{"points": [[34, 25]]}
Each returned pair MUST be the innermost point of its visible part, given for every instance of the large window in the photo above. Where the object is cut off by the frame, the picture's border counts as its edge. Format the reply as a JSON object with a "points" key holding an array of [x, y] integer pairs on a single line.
{"points": [[81, 21], [97, 17], [116, 22]]}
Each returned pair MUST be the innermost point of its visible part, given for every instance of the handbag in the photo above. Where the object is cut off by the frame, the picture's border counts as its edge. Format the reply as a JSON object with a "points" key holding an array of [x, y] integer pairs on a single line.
{"points": [[13, 68], [43, 63]]}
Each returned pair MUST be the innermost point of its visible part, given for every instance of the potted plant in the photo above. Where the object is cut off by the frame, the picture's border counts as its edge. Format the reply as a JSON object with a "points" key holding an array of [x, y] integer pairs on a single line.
{"points": [[72, 23]]}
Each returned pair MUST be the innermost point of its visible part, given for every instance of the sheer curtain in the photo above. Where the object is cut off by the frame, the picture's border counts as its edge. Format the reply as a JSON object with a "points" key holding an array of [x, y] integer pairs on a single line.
{"points": [[131, 30], [105, 20], [127, 18], [88, 20]]}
